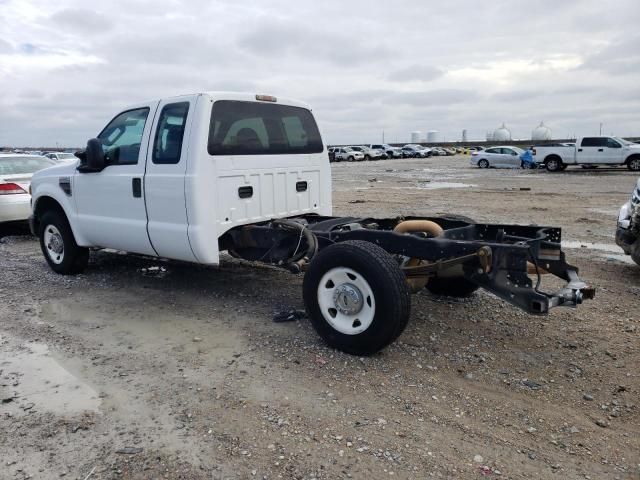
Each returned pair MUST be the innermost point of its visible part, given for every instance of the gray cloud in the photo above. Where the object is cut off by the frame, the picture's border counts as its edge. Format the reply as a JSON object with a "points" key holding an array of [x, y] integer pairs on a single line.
{"points": [[363, 65], [423, 73]]}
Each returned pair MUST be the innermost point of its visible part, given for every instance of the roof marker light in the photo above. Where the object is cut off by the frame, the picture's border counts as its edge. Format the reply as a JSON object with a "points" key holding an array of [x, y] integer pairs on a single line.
{"points": [[266, 98]]}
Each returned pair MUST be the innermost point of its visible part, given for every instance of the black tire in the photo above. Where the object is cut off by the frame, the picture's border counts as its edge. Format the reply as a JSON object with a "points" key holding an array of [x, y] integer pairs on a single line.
{"points": [[73, 259], [391, 296], [350, 159], [451, 287], [553, 164], [633, 164], [367, 158], [483, 163]]}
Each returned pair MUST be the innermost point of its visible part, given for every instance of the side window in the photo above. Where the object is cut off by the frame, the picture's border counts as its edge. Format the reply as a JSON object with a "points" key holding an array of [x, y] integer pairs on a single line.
{"points": [[122, 137], [492, 150], [167, 145], [611, 143], [594, 142]]}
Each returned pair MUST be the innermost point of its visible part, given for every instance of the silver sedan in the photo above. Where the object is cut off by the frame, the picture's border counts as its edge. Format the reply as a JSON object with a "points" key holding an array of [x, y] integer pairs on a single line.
{"points": [[497, 157]]}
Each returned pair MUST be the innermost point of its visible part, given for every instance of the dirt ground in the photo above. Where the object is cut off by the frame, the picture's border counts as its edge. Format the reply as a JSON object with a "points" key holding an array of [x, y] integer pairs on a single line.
{"points": [[140, 368]]}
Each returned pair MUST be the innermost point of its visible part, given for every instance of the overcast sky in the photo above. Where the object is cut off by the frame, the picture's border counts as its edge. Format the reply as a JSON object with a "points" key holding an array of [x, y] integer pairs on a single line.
{"points": [[363, 65]]}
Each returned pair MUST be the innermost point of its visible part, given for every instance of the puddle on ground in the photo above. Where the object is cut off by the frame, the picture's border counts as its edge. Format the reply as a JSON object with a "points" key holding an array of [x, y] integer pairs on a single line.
{"points": [[603, 247], [619, 258], [37, 381], [437, 185]]}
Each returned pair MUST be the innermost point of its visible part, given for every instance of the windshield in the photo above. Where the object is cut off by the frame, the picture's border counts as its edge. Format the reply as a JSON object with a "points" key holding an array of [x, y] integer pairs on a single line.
{"points": [[67, 156], [20, 165], [623, 141]]}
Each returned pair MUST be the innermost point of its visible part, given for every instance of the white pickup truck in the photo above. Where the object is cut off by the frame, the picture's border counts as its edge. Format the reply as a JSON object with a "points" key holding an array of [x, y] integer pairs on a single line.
{"points": [[589, 151], [187, 177]]}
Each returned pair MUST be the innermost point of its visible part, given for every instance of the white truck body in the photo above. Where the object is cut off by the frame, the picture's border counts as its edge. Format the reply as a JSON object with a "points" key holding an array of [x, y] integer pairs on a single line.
{"points": [[589, 151], [179, 209]]}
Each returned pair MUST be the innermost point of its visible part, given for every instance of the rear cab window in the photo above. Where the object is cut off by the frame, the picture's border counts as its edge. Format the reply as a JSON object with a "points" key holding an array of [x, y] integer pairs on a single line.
{"points": [[594, 142], [253, 128]]}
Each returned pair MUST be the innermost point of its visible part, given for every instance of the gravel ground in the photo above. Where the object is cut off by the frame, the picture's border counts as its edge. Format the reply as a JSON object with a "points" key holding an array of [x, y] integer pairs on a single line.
{"points": [[140, 368]]}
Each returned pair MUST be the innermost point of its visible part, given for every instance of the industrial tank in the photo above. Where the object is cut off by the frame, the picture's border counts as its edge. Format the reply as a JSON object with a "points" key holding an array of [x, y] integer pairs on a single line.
{"points": [[541, 132], [501, 134], [433, 136], [416, 137]]}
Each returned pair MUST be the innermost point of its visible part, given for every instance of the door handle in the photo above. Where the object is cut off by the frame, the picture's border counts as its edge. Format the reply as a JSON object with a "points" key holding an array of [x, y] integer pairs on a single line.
{"points": [[245, 192], [579, 149], [301, 186], [136, 187], [601, 150]]}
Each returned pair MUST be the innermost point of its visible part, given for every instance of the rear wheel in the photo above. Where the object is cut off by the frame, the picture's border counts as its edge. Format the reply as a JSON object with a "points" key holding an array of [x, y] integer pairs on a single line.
{"points": [[350, 159], [553, 164], [367, 158], [356, 297], [634, 164], [58, 245], [483, 163]]}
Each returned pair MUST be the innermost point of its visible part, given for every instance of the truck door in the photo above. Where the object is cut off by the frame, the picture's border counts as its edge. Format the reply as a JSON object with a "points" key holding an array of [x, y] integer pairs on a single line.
{"points": [[110, 204], [613, 152], [592, 150], [165, 176]]}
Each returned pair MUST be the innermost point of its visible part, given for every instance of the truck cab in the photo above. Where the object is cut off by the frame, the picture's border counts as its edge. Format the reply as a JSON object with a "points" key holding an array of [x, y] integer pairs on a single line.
{"points": [[179, 172]]}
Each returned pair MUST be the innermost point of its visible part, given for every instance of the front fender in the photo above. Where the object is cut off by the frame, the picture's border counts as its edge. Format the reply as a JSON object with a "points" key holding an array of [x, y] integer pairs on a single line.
{"points": [[54, 191]]}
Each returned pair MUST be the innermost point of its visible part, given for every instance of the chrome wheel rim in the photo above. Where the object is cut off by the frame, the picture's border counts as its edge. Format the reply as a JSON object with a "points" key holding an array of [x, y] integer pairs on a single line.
{"points": [[54, 244]]}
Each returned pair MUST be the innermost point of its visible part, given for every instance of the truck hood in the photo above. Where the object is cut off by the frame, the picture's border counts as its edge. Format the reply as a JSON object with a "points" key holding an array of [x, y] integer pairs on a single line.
{"points": [[62, 169]]}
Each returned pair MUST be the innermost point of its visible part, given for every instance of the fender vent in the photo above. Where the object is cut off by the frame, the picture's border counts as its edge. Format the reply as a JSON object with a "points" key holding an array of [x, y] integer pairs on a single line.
{"points": [[65, 185]]}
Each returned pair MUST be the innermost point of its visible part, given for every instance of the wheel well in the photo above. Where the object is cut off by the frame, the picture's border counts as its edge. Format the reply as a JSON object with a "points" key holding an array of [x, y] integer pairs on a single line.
{"points": [[553, 157], [43, 205], [633, 156]]}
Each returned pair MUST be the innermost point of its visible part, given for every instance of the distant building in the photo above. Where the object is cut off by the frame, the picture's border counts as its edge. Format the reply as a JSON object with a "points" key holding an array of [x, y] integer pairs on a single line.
{"points": [[501, 134], [464, 135], [541, 132], [416, 137]]}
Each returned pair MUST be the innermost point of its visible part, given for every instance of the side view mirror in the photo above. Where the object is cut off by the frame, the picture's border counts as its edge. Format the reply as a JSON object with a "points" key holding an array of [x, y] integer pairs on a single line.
{"points": [[92, 159]]}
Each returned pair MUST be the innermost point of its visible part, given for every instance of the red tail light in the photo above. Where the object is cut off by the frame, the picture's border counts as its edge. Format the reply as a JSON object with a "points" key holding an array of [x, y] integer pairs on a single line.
{"points": [[11, 189]]}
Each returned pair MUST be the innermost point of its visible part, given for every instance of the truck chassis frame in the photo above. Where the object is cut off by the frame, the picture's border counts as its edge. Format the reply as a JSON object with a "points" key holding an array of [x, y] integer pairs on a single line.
{"points": [[498, 258]]}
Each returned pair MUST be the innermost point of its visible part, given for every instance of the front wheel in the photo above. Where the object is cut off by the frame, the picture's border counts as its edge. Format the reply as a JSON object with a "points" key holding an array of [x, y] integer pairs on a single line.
{"points": [[350, 159], [356, 297], [634, 164], [59, 246], [483, 163]]}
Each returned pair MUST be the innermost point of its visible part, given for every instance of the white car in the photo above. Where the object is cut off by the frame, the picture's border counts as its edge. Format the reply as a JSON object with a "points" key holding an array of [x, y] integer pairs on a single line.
{"points": [[15, 178], [497, 157], [62, 157], [348, 154]]}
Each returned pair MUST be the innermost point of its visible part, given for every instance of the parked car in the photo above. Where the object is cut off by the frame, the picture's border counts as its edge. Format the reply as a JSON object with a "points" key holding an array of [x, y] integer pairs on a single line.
{"points": [[450, 151], [392, 152], [61, 157], [15, 178], [348, 154], [497, 157], [414, 151], [589, 151], [439, 151], [369, 153], [628, 229]]}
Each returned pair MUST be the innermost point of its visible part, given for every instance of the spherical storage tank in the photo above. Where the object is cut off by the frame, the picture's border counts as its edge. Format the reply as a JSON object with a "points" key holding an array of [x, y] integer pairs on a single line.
{"points": [[541, 132], [501, 134]]}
